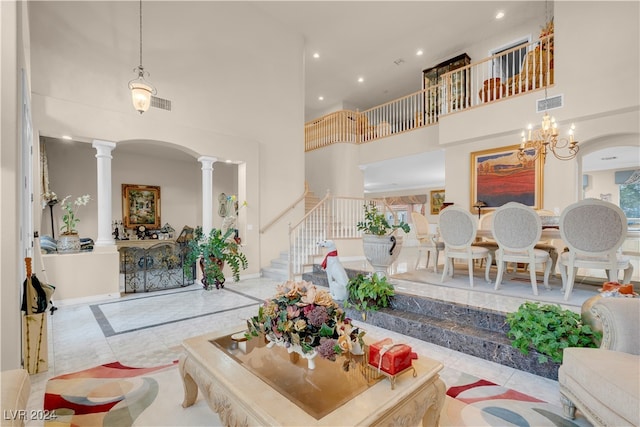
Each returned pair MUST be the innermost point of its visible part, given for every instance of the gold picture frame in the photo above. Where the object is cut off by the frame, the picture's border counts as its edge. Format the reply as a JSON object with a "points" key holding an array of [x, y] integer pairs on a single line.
{"points": [[436, 199], [141, 206], [498, 176]]}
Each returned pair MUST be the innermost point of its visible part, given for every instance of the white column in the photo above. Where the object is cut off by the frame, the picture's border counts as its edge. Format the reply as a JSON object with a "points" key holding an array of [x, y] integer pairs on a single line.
{"points": [[103, 156], [207, 193]]}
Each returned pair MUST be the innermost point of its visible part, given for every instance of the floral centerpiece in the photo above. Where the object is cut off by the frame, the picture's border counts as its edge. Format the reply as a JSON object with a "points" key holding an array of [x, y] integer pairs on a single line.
{"points": [[70, 219], [302, 315]]}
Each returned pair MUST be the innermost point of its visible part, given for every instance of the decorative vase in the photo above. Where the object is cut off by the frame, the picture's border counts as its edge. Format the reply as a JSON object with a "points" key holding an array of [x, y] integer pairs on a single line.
{"points": [[356, 348], [68, 243], [381, 251]]}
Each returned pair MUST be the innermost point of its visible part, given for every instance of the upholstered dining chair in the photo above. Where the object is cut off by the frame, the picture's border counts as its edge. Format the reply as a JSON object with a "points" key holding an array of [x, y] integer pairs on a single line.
{"points": [[458, 231], [428, 241], [517, 229], [593, 230]]}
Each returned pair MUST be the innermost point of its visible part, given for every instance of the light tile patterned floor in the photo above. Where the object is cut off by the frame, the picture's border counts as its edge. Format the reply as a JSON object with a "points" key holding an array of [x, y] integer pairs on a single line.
{"points": [[147, 329]]}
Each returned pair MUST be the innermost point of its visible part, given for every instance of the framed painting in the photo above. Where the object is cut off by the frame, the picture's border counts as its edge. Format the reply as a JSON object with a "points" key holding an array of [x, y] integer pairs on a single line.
{"points": [[499, 177], [436, 199], [140, 206]]}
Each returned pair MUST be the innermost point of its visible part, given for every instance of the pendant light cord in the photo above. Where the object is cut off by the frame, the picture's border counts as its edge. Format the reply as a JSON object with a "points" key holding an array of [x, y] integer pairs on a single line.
{"points": [[141, 34]]}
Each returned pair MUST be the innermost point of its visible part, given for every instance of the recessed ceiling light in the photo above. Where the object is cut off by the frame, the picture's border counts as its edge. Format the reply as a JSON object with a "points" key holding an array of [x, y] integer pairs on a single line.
{"points": [[500, 15], [316, 55], [360, 79], [228, 161], [419, 52], [67, 137], [321, 98]]}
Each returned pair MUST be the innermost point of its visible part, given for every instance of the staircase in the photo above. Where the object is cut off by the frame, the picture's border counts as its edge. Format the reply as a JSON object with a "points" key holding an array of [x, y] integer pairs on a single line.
{"points": [[278, 270]]}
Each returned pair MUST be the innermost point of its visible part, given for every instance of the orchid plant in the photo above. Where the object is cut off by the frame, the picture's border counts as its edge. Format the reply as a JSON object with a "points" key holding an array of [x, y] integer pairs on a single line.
{"points": [[70, 209]]}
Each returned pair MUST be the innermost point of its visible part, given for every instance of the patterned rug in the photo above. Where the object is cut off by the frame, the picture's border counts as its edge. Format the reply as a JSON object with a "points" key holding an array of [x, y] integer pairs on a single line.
{"points": [[117, 395], [476, 402]]}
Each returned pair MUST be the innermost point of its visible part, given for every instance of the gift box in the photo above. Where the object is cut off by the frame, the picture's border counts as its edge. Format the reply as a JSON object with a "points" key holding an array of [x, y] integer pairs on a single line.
{"points": [[395, 357]]}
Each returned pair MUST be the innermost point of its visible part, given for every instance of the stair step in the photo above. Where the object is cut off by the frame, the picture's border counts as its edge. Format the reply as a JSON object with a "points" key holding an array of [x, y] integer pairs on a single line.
{"points": [[275, 274], [471, 330]]}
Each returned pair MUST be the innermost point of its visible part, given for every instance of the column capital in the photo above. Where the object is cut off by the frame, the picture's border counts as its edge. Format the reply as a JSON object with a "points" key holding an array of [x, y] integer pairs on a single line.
{"points": [[207, 161], [103, 148]]}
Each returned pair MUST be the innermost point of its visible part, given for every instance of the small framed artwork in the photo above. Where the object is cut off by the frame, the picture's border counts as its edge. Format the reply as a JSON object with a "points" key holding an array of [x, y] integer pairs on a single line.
{"points": [[498, 176], [141, 206], [436, 199]]}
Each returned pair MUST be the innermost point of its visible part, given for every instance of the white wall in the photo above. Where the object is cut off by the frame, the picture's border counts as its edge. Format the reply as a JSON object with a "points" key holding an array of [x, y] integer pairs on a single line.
{"points": [[229, 102], [177, 174]]}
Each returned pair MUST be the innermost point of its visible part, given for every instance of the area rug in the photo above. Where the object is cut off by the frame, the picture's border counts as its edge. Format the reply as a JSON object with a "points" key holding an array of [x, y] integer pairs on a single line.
{"points": [[473, 401], [117, 395], [122, 396]]}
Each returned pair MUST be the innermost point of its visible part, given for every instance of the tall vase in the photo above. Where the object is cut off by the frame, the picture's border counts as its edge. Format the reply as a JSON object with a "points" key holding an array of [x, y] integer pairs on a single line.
{"points": [[381, 251], [68, 243]]}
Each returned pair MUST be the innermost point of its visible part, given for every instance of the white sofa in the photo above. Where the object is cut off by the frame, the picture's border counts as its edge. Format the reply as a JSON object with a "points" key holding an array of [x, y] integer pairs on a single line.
{"points": [[604, 383], [16, 387]]}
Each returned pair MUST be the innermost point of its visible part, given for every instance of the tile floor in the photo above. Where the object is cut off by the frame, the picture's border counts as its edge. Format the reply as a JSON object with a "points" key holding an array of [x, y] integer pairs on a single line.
{"points": [[147, 329]]}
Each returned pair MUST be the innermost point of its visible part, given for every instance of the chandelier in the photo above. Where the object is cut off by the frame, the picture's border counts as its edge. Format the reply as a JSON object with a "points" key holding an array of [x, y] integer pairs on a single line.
{"points": [[141, 89], [545, 140]]}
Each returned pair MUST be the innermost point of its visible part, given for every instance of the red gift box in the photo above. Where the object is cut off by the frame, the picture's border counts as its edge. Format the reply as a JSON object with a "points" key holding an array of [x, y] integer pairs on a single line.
{"points": [[395, 357]]}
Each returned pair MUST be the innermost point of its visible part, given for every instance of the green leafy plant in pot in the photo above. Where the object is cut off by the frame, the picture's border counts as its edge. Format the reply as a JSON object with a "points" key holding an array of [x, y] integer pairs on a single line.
{"points": [[375, 222], [548, 329], [369, 293], [213, 252]]}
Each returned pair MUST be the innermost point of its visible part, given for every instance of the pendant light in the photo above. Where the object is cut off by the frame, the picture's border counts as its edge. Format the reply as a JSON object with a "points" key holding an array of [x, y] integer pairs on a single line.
{"points": [[141, 89]]}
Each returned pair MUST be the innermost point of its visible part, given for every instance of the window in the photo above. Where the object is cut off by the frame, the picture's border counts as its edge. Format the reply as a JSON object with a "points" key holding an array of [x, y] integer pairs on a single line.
{"points": [[630, 203], [509, 64]]}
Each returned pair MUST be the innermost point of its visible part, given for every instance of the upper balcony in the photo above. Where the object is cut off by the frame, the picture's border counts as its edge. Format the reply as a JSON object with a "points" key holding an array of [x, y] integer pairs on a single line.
{"points": [[520, 70]]}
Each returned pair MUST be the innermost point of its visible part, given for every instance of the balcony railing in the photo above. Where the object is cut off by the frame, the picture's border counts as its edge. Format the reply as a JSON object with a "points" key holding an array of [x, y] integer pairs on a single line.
{"points": [[524, 68]]}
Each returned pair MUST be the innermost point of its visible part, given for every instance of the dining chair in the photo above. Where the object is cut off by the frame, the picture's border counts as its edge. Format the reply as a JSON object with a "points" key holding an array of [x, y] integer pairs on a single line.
{"points": [[428, 241], [517, 229], [593, 230], [458, 231]]}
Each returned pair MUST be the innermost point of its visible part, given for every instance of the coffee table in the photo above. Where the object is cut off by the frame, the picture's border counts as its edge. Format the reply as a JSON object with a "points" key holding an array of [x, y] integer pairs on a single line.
{"points": [[247, 384]]}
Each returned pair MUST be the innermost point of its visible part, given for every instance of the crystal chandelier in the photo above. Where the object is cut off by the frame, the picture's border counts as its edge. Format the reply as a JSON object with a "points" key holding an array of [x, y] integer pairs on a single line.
{"points": [[141, 89], [546, 139]]}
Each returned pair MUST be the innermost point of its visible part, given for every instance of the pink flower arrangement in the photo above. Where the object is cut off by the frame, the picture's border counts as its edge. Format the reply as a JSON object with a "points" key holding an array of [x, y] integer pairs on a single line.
{"points": [[301, 314]]}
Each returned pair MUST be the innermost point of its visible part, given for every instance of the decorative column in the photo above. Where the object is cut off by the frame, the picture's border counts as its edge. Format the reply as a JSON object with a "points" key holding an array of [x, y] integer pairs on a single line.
{"points": [[207, 193], [103, 149]]}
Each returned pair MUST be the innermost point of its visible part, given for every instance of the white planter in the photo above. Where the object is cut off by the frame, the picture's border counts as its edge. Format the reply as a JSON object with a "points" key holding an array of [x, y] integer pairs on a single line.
{"points": [[381, 251]]}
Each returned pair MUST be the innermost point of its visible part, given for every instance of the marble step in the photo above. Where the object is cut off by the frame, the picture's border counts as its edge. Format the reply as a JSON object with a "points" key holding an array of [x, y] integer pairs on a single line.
{"points": [[471, 330]]}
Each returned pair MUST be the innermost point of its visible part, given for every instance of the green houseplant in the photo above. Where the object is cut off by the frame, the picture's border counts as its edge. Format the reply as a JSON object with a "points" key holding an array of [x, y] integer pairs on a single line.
{"points": [[548, 329], [369, 293], [375, 222], [213, 252]]}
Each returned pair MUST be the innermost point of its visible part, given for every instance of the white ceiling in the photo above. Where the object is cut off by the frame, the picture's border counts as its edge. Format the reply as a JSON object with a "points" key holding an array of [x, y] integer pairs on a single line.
{"points": [[360, 38]]}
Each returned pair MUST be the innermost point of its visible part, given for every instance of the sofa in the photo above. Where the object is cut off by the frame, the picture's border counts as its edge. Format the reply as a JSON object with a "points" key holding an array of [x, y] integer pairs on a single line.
{"points": [[604, 383], [16, 387]]}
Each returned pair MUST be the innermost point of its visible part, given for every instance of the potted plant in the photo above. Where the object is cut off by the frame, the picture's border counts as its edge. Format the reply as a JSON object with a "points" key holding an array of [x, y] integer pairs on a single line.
{"points": [[381, 245], [213, 252], [549, 329], [69, 241], [369, 293]]}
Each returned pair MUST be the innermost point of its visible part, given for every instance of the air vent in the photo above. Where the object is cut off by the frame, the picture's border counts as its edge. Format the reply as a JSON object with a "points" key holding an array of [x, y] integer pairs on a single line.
{"points": [[163, 104], [548, 104]]}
